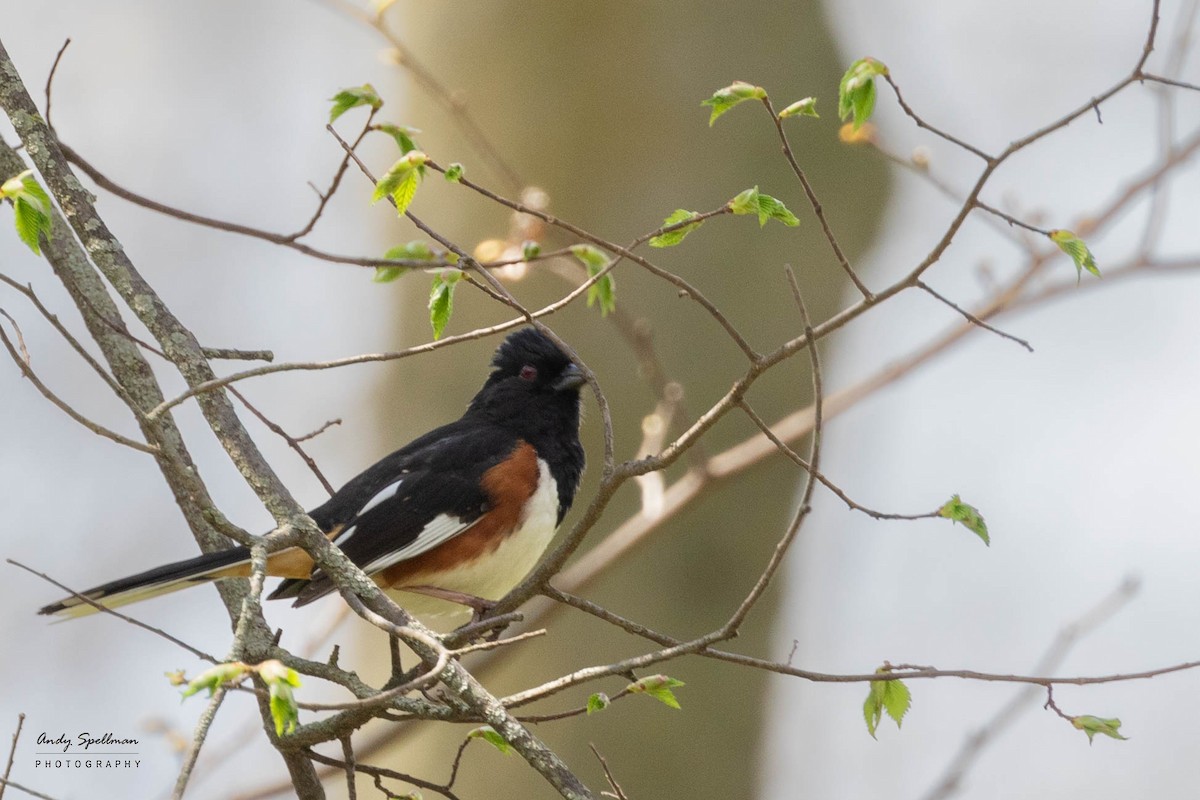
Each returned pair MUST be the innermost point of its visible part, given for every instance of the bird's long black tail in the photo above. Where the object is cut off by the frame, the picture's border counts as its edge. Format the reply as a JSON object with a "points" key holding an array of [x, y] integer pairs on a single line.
{"points": [[152, 583]]}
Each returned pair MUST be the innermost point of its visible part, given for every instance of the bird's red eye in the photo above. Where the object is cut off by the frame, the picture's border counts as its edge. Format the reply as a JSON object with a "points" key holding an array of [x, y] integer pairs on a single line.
{"points": [[529, 373]]}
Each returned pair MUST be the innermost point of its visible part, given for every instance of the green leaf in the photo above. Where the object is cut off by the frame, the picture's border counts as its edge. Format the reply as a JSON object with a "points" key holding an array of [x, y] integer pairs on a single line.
{"points": [[441, 300], [751, 201], [403, 136], [489, 735], [657, 686], [770, 208], [530, 250], [736, 92], [454, 172], [347, 99], [672, 238], [602, 291], [30, 222], [958, 511], [746, 202], [401, 180], [1077, 249], [283, 708], [801, 108], [597, 702], [896, 700], [280, 680], [388, 274], [404, 193], [413, 251], [213, 677], [856, 93], [31, 208], [1093, 725], [890, 696], [593, 258]]}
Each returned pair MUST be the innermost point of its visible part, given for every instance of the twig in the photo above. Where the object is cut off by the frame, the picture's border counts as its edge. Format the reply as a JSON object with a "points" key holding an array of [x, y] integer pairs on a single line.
{"points": [[50, 79], [1010, 219], [230, 354], [973, 746], [22, 362], [814, 202], [404, 57], [974, 320], [281, 239], [820, 476], [337, 180], [314, 434], [25, 789], [383, 772], [12, 752], [292, 442], [193, 752], [625, 252], [1170, 81], [618, 793], [348, 757], [117, 388], [921, 123]]}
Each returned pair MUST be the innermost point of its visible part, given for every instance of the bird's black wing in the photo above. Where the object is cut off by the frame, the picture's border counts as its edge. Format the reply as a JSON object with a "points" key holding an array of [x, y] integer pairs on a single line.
{"points": [[409, 502]]}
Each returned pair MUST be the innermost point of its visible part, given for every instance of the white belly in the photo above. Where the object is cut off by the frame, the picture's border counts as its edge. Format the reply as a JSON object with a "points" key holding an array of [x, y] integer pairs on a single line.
{"points": [[492, 576]]}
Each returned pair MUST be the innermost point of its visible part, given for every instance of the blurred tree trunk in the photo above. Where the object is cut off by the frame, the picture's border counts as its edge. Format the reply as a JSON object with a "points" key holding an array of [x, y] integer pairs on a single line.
{"points": [[599, 105]]}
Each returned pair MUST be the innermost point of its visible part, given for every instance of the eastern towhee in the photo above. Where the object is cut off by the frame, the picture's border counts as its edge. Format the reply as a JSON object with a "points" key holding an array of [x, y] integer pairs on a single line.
{"points": [[455, 518]]}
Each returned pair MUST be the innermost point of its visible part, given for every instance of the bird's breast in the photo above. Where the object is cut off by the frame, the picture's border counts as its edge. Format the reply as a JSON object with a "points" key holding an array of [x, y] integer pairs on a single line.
{"points": [[498, 567]]}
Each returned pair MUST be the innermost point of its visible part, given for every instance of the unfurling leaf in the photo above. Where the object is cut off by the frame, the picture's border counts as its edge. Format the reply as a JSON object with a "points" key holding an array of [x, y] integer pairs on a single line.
{"points": [[602, 291], [274, 671], [347, 99], [657, 686], [401, 181], [31, 209], [890, 696], [597, 702], [1093, 725], [403, 136], [801, 108], [530, 250], [441, 300], [1077, 249], [283, 707], [213, 677], [736, 92], [958, 511], [413, 251], [454, 172], [856, 93], [489, 735], [672, 238], [751, 201]]}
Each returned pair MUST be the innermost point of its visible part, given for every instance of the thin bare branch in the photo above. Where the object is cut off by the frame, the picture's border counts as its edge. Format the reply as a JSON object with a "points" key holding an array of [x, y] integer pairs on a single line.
{"points": [[22, 362], [12, 752], [814, 202], [974, 320]]}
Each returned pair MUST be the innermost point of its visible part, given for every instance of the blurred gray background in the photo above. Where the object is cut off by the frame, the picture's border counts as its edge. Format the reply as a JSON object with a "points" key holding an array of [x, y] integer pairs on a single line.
{"points": [[1080, 455]]}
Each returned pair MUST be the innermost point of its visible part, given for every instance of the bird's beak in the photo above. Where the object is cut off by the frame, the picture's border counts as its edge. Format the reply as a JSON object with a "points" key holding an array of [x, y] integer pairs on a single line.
{"points": [[570, 378]]}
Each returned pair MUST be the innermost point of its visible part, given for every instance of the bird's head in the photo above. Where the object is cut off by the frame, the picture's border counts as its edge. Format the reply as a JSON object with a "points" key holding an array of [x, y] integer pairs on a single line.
{"points": [[531, 375]]}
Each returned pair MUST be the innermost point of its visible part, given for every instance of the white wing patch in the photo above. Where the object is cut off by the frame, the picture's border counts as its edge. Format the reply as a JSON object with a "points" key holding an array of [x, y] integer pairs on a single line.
{"points": [[386, 493], [381, 495], [439, 529]]}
